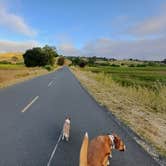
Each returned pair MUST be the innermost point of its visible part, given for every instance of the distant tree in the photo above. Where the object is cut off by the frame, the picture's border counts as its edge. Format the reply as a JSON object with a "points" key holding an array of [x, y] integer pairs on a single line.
{"points": [[61, 61], [75, 61], [82, 63], [39, 56], [164, 61], [91, 61]]}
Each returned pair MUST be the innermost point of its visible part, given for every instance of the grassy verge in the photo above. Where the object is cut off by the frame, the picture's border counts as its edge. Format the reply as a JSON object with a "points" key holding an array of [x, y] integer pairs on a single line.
{"points": [[139, 107], [14, 73], [149, 77]]}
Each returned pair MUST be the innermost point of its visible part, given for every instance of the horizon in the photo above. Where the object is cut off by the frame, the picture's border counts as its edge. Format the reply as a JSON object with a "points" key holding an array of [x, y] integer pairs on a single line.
{"points": [[111, 29]]}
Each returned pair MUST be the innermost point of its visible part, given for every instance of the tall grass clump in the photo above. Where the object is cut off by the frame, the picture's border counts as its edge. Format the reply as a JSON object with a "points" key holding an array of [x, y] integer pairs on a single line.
{"points": [[154, 100]]}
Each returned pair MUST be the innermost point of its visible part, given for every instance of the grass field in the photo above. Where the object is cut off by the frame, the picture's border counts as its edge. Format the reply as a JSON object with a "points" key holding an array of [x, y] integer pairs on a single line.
{"points": [[12, 57], [13, 70], [135, 102], [14, 73], [150, 77]]}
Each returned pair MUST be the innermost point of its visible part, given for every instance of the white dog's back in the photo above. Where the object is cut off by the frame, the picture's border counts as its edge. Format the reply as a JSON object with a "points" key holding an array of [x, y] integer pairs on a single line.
{"points": [[66, 129]]}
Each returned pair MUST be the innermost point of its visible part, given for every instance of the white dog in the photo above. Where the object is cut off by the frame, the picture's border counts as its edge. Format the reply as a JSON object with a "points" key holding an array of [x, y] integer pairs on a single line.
{"points": [[66, 129]]}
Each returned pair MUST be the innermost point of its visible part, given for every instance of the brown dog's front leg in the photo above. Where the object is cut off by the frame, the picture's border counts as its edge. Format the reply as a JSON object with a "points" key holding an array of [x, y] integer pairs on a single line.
{"points": [[105, 161]]}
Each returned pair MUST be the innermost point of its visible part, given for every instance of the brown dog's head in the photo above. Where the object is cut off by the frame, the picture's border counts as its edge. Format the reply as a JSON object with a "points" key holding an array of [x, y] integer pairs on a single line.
{"points": [[119, 145]]}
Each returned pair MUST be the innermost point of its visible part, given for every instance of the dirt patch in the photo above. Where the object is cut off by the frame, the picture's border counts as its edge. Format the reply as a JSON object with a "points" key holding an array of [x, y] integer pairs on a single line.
{"points": [[10, 76]]}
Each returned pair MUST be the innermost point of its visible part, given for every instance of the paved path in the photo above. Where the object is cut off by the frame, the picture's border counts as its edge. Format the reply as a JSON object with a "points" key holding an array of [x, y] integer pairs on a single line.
{"points": [[31, 118]]}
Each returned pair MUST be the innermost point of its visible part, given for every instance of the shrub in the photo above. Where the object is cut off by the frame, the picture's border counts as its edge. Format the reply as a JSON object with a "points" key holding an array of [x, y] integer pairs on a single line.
{"points": [[141, 65], [115, 65], [82, 63], [164, 61], [61, 61], [91, 61], [75, 61], [48, 67], [131, 65], [5, 62]]}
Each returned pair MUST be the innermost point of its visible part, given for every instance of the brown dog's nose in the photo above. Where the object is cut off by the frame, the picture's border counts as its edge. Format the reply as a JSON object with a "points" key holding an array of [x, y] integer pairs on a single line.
{"points": [[124, 148]]}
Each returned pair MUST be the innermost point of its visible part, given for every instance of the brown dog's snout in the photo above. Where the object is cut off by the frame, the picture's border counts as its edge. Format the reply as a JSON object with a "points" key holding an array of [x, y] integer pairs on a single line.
{"points": [[124, 148]]}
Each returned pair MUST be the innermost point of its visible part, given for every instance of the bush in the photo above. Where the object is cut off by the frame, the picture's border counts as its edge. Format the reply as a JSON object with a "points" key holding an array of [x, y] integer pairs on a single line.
{"points": [[164, 61], [115, 65], [141, 65], [39, 56], [75, 61], [5, 62], [61, 61], [131, 65], [152, 64], [91, 61], [82, 63], [48, 67]]}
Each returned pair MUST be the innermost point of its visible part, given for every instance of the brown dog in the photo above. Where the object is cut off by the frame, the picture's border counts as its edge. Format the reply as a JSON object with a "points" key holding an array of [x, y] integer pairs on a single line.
{"points": [[66, 129], [100, 148]]}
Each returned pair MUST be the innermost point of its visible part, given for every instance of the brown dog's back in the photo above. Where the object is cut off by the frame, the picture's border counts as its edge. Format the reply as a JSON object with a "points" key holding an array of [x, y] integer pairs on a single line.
{"points": [[98, 151]]}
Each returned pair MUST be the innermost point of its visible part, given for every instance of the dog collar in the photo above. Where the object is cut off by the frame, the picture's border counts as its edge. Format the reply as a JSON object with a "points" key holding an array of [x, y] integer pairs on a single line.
{"points": [[112, 139]]}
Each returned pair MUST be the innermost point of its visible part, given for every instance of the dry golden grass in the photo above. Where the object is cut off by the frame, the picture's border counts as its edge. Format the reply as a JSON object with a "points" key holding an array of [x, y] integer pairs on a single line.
{"points": [[11, 74], [141, 109], [11, 57]]}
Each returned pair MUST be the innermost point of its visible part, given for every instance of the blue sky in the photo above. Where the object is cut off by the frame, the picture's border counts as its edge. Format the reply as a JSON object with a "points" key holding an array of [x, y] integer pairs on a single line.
{"points": [[111, 28]]}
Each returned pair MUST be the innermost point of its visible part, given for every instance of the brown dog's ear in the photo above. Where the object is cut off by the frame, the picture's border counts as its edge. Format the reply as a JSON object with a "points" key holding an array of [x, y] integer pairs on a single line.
{"points": [[116, 141]]}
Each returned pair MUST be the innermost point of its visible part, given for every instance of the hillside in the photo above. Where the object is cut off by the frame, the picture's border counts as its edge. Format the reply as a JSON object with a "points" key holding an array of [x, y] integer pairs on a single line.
{"points": [[13, 57]]}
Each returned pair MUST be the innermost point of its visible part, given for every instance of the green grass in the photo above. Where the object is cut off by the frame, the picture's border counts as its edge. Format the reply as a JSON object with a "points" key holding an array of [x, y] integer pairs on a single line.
{"points": [[12, 66], [150, 77]]}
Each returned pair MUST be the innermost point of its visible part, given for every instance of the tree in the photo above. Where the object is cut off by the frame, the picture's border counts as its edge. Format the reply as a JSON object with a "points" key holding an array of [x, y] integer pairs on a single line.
{"points": [[91, 61], [61, 61], [75, 61], [164, 61], [40, 56], [82, 63]]}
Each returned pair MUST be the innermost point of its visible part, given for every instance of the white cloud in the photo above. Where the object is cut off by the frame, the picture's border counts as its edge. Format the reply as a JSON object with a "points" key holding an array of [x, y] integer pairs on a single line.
{"points": [[147, 49], [68, 49], [12, 46], [155, 25], [15, 23]]}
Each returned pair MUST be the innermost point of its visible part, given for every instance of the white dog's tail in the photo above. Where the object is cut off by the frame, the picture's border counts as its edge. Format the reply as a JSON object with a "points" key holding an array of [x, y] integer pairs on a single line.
{"points": [[84, 151]]}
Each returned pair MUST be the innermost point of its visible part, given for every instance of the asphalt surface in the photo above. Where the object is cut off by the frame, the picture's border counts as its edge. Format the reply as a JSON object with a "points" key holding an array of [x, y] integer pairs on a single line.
{"points": [[28, 138]]}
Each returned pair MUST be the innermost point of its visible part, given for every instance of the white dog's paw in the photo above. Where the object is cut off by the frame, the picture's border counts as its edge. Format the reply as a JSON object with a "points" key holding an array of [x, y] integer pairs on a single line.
{"points": [[108, 163]]}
